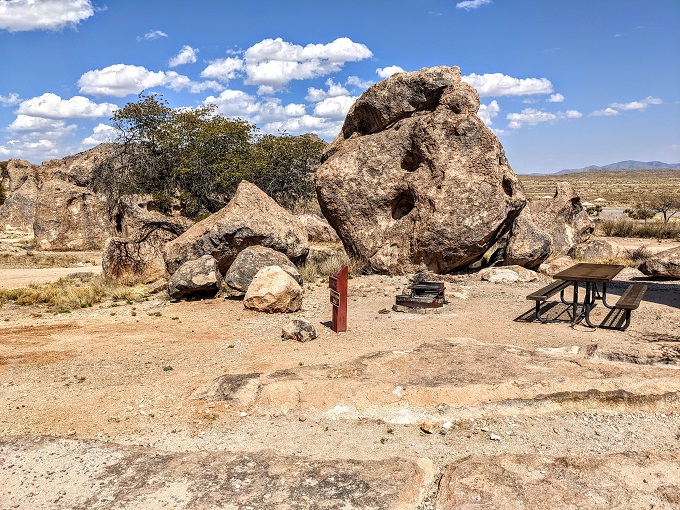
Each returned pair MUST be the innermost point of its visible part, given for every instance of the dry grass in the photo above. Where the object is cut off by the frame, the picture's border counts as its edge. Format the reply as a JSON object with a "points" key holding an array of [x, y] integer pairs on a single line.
{"points": [[618, 187], [33, 259], [73, 291], [624, 227], [313, 269]]}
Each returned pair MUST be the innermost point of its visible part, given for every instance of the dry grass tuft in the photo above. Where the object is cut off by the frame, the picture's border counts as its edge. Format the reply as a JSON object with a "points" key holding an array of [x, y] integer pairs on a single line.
{"points": [[624, 227], [74, 291], [313, 269]]}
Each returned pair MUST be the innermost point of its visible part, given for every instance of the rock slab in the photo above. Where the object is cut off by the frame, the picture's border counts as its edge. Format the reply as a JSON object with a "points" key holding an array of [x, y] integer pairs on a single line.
{"points": [[542, 482], [416, 180], [106, 475], [665, 264], [247, 263], [250, 218]]}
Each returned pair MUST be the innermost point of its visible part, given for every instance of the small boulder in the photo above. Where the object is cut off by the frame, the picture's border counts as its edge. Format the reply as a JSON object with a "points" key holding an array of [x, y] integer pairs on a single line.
{"points": [[665, 264], [318, 229], [196, 278], [508, 274], [554, 266], [251, 260], [298, 329], [596, 249], [273, 290]]}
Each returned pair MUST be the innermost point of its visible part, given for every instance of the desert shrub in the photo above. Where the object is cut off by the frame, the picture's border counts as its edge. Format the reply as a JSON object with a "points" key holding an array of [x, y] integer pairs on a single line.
{"points": [[74, 291], [630, 228]]}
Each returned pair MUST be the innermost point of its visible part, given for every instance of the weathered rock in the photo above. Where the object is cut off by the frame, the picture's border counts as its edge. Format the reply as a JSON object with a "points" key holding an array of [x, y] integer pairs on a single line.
{"points": [[195, 278], [508, 274], [554, 266], [596, 249], [129, 262], [416, 180], [664, 263], [18, 210], [541, 482], [250, 218], [251, 260], [136, 254], [69, 217], [548, 228], [318, 229], [298, 329], [273, 290]]}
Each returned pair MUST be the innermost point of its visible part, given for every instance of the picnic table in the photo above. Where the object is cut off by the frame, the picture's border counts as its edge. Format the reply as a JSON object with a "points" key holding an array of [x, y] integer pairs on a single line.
{"points": [[589, 275]]}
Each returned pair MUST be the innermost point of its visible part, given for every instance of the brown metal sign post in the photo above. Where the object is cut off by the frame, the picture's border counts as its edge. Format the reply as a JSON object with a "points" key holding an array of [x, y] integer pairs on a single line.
{"points": [[337, 282]]}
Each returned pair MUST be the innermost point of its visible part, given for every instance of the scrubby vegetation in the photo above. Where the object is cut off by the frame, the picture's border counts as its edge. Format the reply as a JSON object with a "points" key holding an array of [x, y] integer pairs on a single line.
{"points": [[74, 291], [197, 157], [623, 227], [322, 267]]}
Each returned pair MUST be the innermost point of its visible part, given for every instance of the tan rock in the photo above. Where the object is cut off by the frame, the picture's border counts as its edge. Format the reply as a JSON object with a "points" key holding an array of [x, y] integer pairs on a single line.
{"points": [[250, 218], [273, 290], [548, 228], [318, 229], [554, 266], [416, 180], [665, 264], [195, 278], [596, 249], [508, 274]]}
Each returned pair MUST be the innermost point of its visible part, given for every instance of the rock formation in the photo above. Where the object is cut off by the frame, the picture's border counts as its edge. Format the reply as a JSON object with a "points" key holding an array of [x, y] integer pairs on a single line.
{"points": [[298, 329], [318, 229], [415, 179], [548, 228], [665, 264], [21, 188], [250, 218]]}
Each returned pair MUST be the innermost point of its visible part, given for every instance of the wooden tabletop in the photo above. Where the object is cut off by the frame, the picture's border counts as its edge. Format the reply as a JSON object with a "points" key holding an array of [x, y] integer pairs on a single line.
{"points": [[586, 272]]}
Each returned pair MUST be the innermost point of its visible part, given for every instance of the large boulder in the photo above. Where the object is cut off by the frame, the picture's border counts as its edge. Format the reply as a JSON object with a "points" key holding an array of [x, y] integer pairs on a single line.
{"points": [[21, 189], [247, 263], [273, 291], [415, 179], [318, 229], [196, 278], [596, 249], [548, 229], [664, 263], [70, 217], [250, 218]]}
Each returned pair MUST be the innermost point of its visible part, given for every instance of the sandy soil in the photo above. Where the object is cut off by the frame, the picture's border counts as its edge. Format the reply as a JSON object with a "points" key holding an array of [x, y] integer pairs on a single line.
{"points": [[210, 376]]}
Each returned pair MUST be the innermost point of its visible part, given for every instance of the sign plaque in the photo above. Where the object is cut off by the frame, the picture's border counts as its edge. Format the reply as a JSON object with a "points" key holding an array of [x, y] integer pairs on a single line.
{"points": [[337, 283]]}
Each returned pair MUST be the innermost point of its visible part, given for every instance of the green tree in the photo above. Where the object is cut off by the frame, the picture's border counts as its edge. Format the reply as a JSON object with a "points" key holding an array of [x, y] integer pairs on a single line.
{"points": [[640, 211], [665, 203], [284, 167]]}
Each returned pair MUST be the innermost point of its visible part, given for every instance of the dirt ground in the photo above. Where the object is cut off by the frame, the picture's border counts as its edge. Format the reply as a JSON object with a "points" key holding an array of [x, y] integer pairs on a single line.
{"points": [[184, 382]]}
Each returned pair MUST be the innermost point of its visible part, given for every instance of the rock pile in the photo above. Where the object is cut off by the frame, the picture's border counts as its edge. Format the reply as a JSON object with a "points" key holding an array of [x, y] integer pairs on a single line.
{"points": [[415, 180]]}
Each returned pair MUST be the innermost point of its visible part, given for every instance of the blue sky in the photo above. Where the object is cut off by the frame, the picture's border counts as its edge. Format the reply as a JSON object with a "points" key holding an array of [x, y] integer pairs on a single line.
{"points": [[563, 84]]}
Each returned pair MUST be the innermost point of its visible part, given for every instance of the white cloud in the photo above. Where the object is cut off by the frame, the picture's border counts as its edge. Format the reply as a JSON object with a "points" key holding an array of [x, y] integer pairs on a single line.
{"points": [[532, 116], [21, 15], [472, 4], [38, 125], [100, 134], [120, 80], [335, 108], [273, 63], [637, 105], [334, 90], [52, 106], [223, 69], [10, 100], [603, 113], [386, 72], [358, 82], [150, 36], [498, 84], [187, 55], [489, 112], [556, 98]]}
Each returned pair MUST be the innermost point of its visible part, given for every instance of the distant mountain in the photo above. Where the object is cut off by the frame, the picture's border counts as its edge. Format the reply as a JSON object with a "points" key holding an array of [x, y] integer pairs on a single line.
{"points": [[627, 165]]}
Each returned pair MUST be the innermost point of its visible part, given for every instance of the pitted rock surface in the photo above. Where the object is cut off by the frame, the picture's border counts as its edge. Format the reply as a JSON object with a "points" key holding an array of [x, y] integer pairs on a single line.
{"points": [[665, 264], [250, 218], [416, 180]]}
